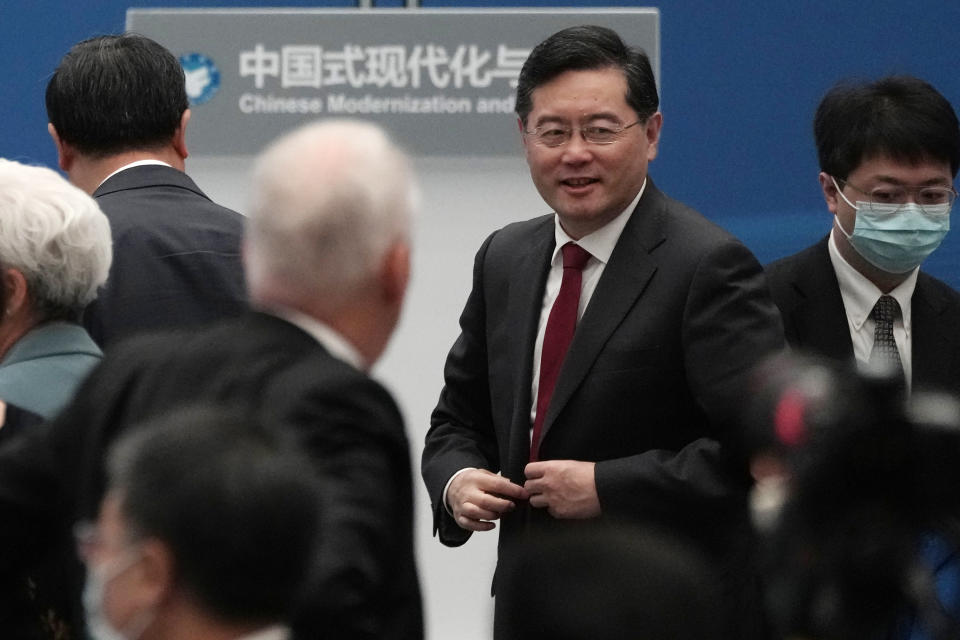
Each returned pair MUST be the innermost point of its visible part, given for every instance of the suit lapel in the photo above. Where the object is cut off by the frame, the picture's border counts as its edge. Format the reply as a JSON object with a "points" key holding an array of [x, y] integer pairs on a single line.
{"points": [[932, 352], [525, 301], [819, 317], [623, 281]]}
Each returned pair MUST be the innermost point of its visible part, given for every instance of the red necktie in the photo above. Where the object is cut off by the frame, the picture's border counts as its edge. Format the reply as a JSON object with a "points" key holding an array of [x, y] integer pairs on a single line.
{"points": [[558, 335]]}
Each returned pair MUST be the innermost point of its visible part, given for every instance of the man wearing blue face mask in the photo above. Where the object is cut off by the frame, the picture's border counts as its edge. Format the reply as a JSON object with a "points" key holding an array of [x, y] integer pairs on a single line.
{"points": [[889, 151]]}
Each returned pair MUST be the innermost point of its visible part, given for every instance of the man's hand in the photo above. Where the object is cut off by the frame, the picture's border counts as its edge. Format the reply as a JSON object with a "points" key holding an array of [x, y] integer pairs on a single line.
{"points": [[478, 496], [565, 487]]}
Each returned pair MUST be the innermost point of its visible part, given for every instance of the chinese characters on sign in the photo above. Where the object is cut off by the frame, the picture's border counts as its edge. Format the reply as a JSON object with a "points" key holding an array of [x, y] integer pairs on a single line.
{"points": [[395, 66]]}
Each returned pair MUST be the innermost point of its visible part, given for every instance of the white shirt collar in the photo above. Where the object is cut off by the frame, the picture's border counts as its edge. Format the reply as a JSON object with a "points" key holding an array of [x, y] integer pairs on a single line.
{"points": [[138, 163], [275, 632], [601, 243], [338, 346], [860, 295]]}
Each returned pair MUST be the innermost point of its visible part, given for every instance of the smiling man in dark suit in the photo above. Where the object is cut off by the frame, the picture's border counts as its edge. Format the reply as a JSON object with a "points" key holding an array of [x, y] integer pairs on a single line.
{"points": [[628, 423], [889, 151], [327, 265], [118, 114]]}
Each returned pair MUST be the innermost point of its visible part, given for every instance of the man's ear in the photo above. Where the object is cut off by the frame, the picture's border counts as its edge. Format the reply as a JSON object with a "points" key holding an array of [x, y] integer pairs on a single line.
{"points": [[829, 189], [395, 271], [651, 129], [65, 153], [180, 136], [156, 579]]}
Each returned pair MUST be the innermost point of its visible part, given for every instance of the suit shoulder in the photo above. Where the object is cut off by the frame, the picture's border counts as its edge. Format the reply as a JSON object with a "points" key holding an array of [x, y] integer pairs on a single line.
{"points": [[809, 267], [938, 291], [151, 207], [521, 231], [798, 260], [696, 230]]}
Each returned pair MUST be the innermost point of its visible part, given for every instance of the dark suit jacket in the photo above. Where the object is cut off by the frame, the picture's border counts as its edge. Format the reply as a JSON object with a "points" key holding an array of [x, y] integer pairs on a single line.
{"points": [[176, 255], [805, 288], [678, 319], [367, 585]]}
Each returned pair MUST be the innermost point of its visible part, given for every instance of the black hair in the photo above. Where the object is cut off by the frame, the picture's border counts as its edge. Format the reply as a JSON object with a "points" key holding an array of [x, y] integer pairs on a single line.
{"points": [[236, 502], [586, 48], [901, 117], [116, 93]]}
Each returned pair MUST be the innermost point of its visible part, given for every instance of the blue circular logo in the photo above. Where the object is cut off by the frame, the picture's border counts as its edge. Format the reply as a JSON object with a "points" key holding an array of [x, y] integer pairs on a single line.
{"points": [[203, 77]]}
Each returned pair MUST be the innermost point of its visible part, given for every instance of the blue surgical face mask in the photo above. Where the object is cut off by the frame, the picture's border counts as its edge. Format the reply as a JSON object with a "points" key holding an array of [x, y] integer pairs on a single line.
{"points": [[896, 238], [98, 625]]}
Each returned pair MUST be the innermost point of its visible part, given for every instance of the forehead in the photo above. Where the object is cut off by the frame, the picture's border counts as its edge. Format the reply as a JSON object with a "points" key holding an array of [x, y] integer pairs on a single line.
{"points": [[886, 168], [582, 93]]}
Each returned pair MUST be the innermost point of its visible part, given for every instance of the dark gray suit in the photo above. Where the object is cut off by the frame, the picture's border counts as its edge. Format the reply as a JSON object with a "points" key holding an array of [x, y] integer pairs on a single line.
{"points": [[659, 359], [176, 255], [805, 288]]}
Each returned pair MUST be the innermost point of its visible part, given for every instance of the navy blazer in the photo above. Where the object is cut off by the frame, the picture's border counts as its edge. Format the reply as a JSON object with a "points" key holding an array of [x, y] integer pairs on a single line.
{"points": [[176, 255], [804, 286]]}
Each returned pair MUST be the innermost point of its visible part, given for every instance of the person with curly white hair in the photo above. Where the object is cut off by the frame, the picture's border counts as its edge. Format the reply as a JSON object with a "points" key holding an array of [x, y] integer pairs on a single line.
{"points": [[55, 252]]}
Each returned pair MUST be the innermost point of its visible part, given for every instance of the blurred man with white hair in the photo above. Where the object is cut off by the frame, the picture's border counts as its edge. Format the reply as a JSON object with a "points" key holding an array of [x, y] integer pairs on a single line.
{"points": [[327, 262], [54, 254]]}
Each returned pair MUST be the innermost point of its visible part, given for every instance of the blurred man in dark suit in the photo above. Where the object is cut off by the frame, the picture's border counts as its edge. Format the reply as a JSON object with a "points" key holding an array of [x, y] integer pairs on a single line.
{"points": [[118, 115], [327, 262], [205, 533]]}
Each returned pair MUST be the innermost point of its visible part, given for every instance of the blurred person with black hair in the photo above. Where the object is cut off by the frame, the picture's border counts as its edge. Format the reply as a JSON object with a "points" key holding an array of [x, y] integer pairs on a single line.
{"points": [[206, 531], [118, 113], [889, 151], [618, 583]]}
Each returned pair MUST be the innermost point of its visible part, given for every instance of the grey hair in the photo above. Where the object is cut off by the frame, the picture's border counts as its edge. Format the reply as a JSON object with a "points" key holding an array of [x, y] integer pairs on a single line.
{"points": [[55, 235], [329, 199]]}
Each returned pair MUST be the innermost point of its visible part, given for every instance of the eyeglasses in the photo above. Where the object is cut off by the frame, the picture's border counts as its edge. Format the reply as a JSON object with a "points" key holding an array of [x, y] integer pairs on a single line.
{"points": [[555, 135], [930, 199]]}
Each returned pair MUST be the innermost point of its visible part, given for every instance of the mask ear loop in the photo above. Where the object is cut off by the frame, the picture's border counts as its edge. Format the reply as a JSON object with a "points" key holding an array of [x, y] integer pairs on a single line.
{"points": [[840, 193], [855, 208]]}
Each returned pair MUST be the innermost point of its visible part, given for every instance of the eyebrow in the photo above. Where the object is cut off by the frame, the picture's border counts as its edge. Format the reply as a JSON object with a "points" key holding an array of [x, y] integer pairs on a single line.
{"points": [[593, 117], [938, 182]]}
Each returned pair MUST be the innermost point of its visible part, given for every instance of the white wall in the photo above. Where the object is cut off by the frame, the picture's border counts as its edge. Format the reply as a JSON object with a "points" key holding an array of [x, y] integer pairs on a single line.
{"points": [[464, 199]]}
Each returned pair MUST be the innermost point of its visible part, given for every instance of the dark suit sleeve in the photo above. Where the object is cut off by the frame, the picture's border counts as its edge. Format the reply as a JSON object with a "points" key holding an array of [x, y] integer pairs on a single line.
{"points": [[461, 430], [365, 584], [728, 325]]}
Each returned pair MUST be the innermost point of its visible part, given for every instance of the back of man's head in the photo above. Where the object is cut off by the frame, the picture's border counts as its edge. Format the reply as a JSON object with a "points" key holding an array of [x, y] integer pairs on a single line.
{"points": [[117, 93], [900, 117], [233, 500], [330, 200]]}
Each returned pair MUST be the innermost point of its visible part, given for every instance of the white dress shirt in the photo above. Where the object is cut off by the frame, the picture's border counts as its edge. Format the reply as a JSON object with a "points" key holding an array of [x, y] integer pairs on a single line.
{"points": [[599, 245], [859, 297], [138, 163]]}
